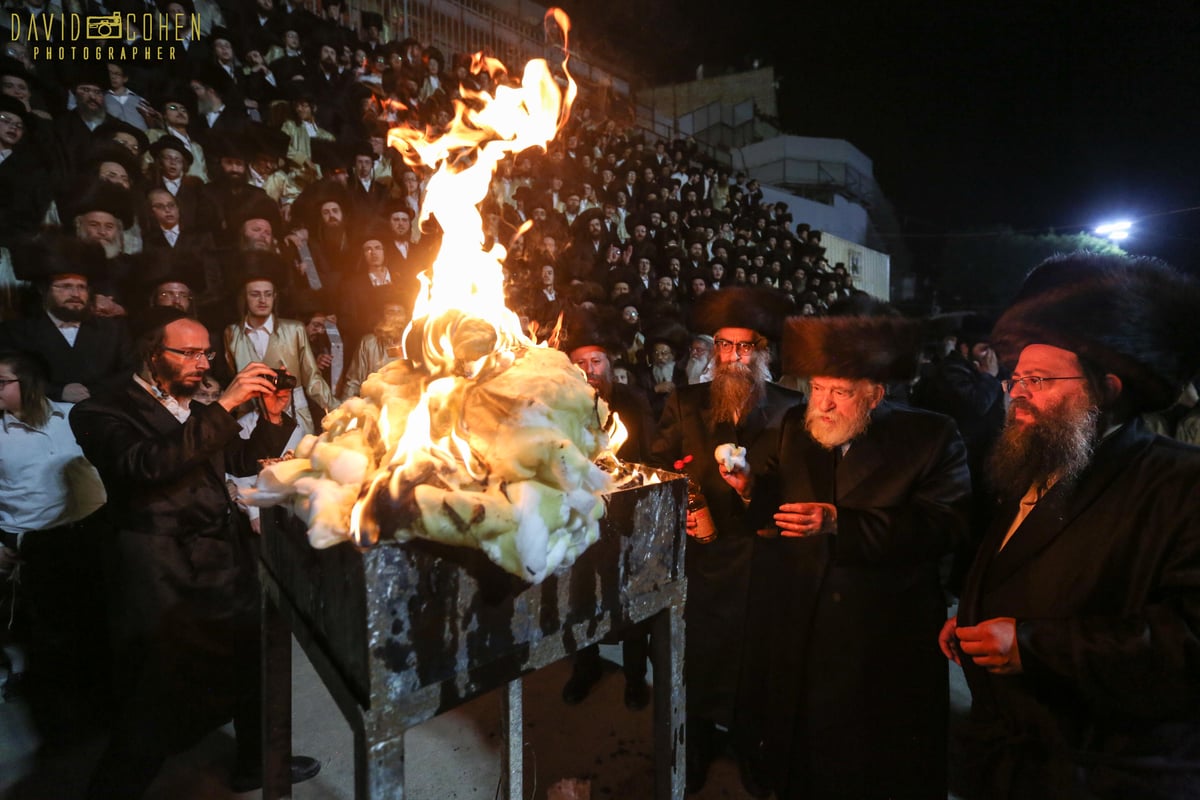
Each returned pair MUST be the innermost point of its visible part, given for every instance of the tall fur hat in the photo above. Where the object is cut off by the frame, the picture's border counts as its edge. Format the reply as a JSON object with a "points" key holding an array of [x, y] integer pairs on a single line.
{"points": [[41, 259], [594, 327], [862, 339], [1134, 317], [758, 309]]}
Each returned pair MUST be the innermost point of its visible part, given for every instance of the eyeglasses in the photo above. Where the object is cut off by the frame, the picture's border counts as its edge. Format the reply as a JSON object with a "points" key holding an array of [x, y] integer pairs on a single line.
{"points": [[69, 287], [174, 107], [193, 355], [4, 382], [1033, 383], [743, 348], [15, 122], [164, 295]]}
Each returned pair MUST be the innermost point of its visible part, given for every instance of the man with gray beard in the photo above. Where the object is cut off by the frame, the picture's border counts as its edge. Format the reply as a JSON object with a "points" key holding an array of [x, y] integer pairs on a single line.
{"points": [[1079, 625], [855, 512], [739, 407]]}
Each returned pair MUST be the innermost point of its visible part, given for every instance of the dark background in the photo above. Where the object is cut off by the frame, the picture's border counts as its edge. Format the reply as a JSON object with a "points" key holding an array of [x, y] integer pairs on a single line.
{"points": [[1036, 116]]}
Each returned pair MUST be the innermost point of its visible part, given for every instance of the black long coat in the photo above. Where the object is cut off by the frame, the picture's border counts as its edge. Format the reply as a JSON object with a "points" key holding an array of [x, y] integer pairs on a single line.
{"points": [[1103, 578], [183, 591], [101, 359], [718, 573], [856, 690]]}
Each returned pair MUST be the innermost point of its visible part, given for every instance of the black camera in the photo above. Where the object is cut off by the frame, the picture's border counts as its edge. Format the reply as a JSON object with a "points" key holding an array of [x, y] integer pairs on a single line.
{"points": [[282, 379]]}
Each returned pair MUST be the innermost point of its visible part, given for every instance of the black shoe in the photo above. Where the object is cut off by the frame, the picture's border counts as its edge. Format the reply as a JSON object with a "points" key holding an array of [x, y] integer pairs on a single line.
{"points": [[637, 693], [752, 769], [302, 767], [583, 678]]}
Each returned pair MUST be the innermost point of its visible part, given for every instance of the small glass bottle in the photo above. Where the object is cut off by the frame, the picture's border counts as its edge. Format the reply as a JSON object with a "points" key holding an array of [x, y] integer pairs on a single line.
{"points": [[706, 531]]}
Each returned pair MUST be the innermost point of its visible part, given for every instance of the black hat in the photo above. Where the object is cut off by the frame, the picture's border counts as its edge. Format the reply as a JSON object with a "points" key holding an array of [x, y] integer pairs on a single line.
{"points": [[579, 226], [11, 105], [112, 126], [39, 260], [11, 66], [255, 205], [760, 310], [260, 265], [227, 144], [298, 90], [171, 142], [1134, 317], [880, 349], [669, 332], [262, 140], [375, 230], [155, 266], [110, 151], [597, 327], [371, 20], [86, 72], [103, 196], [149, 322], [209, 74]]}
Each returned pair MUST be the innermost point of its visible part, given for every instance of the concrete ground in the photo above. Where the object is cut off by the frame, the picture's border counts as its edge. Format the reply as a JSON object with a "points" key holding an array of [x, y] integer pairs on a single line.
{"points": [[452, 757]]}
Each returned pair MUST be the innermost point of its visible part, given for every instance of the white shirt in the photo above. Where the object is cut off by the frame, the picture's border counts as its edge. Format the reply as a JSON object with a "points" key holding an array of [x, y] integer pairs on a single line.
{"points": [[45, 481], [173, 186], [69, 330], [171, 235], [179, 411], [259, 336], [211, 117]]}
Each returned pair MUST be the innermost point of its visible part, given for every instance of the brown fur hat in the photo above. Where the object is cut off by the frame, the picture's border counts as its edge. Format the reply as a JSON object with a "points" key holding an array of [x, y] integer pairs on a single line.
{"points": [[590, 327], [759, 309], [1134, 317], [879, 348]]}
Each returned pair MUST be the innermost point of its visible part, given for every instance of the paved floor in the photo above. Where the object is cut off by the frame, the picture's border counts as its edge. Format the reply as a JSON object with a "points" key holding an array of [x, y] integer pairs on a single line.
{"points": [[455, 756]]}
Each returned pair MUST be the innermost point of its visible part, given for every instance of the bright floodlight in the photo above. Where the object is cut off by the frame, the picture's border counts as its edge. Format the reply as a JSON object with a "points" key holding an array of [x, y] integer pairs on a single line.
{"points": [[1116, 231]]}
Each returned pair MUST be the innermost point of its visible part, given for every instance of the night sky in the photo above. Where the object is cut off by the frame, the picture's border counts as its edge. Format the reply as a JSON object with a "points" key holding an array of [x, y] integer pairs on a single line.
{"points": [[976, 114]]}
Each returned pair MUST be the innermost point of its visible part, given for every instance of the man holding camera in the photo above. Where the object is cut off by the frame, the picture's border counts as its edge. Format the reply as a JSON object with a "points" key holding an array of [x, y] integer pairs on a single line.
{"points": [[183, 592], [283, 343]]}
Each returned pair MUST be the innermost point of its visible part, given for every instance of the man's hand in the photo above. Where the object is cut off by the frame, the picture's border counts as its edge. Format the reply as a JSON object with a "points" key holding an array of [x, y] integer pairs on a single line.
{"points": [[324, 361], [298, 237], [105, 306], [256, 381], [806, 519], [948, 641], [742, 482], [987, 362], [992, 644], [664, 387], [75, 392]]}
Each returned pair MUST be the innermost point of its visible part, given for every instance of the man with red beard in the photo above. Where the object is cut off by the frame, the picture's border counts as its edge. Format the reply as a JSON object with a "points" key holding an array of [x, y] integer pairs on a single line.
{"points": [[184, 599], [1079, 625], [590, 342], [741, 407], [863, 500]]}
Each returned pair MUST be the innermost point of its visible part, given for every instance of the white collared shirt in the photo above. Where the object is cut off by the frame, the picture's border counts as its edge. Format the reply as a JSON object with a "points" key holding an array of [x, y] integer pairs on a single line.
{"points": [[211, 117], [179, 411], [173, 186], [69, 330], [171, 235], [259, 336], [45, 481]]}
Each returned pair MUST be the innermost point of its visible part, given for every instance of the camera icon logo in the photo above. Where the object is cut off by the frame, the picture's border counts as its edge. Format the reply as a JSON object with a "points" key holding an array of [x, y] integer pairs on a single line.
{"points": [[104, 27]]}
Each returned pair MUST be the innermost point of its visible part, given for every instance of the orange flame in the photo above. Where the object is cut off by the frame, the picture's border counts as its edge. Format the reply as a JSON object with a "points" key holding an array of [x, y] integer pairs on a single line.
{"points": [[466, 329]]}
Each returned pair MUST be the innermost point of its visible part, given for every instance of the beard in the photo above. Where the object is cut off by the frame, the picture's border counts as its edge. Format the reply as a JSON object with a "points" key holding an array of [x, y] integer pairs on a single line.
{"points": [[663, 372], [70, 314], [171, 378], [738, 388], [696, 369], [1058, 443], [842, 429]]}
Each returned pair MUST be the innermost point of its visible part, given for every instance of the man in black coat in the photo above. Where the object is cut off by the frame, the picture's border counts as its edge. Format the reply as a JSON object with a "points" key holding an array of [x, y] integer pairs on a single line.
{"points": [[862, 502], [184, 598], [1079, 625], [85, 354], [743, 408]]}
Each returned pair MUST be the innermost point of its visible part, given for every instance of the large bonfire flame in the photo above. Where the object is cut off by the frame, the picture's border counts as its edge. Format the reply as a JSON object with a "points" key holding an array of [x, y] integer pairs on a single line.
{"points": [[479, 436]]}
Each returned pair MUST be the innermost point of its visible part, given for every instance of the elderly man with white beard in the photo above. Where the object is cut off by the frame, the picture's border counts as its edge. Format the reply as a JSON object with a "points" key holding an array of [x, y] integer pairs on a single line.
{"points": [[742, 407], [1079, 624], [855, 512]]}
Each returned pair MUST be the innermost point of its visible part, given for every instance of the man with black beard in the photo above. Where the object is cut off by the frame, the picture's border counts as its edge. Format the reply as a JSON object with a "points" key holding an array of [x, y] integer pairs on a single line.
{"points": [[184, 599], [741, 407], [1079, 625], [590, 343], [855, 513], [84, 354]]}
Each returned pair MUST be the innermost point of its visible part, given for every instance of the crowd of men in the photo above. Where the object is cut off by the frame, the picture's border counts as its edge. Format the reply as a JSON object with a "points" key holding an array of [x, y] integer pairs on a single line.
{"points": [[199, 259]]}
